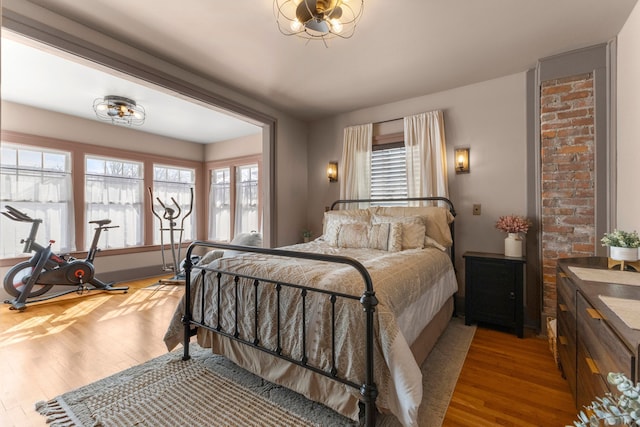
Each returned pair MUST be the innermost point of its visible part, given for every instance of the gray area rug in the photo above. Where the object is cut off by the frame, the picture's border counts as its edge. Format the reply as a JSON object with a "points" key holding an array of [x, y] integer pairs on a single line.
{"points": [[152, 394]]}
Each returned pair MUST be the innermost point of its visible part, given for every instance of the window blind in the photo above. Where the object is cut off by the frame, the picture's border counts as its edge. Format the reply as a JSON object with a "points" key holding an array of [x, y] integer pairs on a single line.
{"points": [[388, 172]]}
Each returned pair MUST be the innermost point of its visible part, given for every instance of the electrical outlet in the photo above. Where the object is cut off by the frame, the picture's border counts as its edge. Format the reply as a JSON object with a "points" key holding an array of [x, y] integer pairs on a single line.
{"points": [[477, 209]]}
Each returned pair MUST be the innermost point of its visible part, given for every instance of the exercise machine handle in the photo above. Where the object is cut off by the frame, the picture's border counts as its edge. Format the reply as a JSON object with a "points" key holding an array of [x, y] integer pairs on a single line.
{"points": [[188, 212], [16, 215], [153, 210]]}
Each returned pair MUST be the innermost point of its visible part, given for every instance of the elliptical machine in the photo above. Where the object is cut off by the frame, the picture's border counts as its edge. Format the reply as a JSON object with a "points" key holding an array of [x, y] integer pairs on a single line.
{"points": [[172, 216]]}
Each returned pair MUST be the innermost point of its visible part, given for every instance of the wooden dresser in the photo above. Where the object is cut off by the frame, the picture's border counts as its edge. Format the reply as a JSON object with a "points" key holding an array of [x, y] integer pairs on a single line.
{"points": [[592, 340]]}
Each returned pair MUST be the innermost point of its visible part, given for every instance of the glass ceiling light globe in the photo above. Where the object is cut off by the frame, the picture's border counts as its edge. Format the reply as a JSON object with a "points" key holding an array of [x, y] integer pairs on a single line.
{"points": [[296, 25], [336, 26]]}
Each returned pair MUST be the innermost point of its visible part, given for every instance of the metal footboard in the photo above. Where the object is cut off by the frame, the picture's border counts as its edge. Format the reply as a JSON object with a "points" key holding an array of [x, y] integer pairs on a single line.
{"points": [[367, 299]]}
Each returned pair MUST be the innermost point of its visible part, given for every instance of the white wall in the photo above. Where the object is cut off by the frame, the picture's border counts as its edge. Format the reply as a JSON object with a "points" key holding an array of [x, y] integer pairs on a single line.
{"points": [[488, 117], [290, 171], [237, 147], [35, 121], [628, 110]]}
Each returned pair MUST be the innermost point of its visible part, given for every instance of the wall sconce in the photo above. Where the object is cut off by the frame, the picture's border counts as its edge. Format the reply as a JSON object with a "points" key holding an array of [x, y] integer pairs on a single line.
{"points": [[332, 171], [462, 160]]}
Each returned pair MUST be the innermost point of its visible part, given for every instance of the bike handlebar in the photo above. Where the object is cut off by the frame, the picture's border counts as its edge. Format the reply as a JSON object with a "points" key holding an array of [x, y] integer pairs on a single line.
{"points": [[16, 215]]}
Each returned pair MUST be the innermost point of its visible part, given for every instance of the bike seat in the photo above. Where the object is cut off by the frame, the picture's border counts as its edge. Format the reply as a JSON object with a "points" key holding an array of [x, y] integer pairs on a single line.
{"points": [[101, 222]]}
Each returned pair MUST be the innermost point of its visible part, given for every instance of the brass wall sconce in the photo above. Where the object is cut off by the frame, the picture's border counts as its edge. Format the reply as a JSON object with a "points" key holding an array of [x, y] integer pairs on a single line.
{"points": [[332, 171], [461, 156]]}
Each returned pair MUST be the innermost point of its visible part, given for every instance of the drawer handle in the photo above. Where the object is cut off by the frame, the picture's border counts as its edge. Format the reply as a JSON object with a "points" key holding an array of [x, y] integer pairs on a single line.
{"points": [[563, 274], [595, 314], [563, 307], [563, 340], [592, 366]]}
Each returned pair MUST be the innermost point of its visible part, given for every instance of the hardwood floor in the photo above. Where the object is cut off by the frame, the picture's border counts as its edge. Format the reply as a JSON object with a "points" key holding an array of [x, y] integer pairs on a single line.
{"points": [[507, 381], [60, 345]]}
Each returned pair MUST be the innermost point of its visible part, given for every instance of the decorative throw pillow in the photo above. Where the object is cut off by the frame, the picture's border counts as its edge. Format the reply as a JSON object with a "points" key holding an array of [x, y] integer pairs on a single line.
{"points": [[354, 235], [413, 229], [430, 243], [395, 237], [385, 237], [333, 220], [244, 239], [436, 219]]}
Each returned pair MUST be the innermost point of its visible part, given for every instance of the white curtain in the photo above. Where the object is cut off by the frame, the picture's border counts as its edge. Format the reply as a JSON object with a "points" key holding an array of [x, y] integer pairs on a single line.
{"points": [[120, 200], [42, 195], [247, 217], [355, 167], [220, 205], [426, 155]]}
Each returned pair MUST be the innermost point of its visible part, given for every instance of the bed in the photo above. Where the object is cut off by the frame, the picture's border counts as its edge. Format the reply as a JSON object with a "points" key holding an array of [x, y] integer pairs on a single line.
{"points": [[345, 320]]}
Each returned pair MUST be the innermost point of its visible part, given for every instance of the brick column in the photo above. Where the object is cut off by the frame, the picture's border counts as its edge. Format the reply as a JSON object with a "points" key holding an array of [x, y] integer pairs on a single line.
{"points": [[567, 124]]}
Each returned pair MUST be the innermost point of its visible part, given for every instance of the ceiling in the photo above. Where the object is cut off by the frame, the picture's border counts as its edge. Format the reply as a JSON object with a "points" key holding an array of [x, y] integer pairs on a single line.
{"points": [[401, 49], [42, 77]]}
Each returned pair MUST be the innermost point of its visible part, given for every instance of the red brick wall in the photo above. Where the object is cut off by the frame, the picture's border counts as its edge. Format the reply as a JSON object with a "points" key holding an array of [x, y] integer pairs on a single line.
{"points": [[567, 125]]}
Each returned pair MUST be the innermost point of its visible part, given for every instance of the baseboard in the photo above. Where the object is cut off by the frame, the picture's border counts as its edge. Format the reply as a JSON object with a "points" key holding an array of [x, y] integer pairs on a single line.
{"points": [[132, 274]]}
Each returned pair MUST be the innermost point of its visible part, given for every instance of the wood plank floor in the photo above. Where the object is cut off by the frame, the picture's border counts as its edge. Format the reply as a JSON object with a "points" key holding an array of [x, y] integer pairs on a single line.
{"points": [[507, 381], [60, 345]]}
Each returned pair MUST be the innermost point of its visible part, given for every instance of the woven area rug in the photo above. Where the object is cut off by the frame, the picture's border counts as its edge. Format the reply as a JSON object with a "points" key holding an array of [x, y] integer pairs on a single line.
{"points": [[153, 394]]}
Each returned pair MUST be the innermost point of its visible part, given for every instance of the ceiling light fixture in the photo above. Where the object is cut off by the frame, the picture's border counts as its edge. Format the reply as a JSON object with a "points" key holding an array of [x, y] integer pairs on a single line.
{"points": [[318, 19], [119, 110]]}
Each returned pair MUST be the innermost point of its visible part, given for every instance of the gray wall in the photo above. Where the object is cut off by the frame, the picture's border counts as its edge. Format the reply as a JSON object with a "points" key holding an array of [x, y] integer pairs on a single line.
{"points": [[289, 152], [488, 117], [628, 131]]}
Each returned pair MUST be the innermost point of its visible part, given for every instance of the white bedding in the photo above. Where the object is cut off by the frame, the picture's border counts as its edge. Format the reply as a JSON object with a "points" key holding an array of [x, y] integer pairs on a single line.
{"points": [[411, 286]]}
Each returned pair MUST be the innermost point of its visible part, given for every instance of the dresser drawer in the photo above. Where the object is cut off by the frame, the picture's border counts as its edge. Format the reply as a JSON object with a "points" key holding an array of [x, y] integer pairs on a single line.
{"points": [[566, 290], [607, 351], [566, 344], [590, 382]]}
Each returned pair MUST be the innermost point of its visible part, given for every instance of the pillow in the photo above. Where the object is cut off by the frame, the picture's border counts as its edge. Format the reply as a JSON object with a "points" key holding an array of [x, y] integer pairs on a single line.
{"points": [[210, 256], [244, 239], [385, 237], [333, 220], [430, 243], [248, 239], [436, 219], [413, 229]]}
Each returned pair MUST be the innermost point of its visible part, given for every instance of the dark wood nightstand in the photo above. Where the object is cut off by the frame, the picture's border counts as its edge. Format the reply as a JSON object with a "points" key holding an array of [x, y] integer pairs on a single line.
{"points": [[494, 290]]}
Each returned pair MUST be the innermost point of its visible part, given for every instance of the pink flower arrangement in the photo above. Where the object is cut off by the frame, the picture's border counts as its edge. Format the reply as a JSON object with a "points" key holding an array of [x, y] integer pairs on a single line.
{"points": [[513, 224]]}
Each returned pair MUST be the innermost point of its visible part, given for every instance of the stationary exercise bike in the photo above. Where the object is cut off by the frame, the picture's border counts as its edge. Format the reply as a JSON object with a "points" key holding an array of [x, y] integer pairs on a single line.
{"points": [[28, 280]]}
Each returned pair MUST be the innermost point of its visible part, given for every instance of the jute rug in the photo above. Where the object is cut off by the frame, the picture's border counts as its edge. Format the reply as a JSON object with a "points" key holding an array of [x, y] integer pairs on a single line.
{"points": [[153, 394]]}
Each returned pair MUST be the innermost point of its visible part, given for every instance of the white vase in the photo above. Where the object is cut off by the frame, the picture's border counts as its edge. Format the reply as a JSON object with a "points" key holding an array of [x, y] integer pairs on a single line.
{"points": [[513, 245], [623, 254]]}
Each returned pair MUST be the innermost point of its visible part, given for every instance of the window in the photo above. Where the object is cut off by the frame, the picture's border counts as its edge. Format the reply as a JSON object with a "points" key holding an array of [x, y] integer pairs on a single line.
{"points": [[220, 202], [74, 183], [114, 190], [169, 183], [388, 171], [247, 215], [234, 199], [37, 182]]}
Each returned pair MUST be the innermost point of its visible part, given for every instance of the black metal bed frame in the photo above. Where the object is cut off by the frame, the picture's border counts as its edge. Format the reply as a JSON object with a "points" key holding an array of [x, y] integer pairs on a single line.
{"points": [[368, 390]]}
